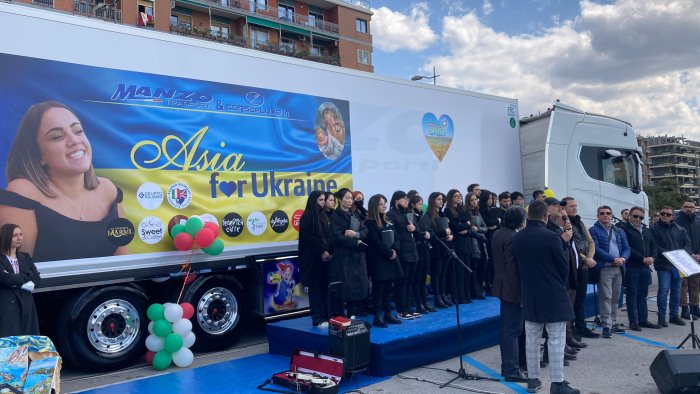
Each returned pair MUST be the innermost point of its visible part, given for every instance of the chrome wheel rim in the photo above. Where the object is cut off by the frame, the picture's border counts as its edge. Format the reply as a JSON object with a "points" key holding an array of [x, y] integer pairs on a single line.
{"points": [[113, 326], [217, 311]]}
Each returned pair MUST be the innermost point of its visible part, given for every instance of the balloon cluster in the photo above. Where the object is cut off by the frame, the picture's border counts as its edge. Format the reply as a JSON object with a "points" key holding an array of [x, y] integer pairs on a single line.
{"points": [[195, 230], [171, 335]]}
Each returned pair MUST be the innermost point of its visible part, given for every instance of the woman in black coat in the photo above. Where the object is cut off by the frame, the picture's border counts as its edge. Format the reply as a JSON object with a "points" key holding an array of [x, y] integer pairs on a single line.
{"points": [[404, 227], [491, 215], [314, 255], [459, 224], [382, 259], [439, 257], [478, 233], [347, 233], [422, 237], [18, 277]]}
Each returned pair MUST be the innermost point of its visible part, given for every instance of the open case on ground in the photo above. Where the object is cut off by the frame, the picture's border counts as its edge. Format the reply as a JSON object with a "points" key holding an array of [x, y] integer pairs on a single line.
{"points": [[311, 373]]}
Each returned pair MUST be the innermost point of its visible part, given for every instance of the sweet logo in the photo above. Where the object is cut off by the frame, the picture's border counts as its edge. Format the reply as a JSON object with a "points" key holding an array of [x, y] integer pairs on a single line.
{"points": [[256, 223], [149, 196], [232, 225], [151, 230], [279, 221], [120, 232], [255, 99], [438, 133], [179, 195], [296, 218]]}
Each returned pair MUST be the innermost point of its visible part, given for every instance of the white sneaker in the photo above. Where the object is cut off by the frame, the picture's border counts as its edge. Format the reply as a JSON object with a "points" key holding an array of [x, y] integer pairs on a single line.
{"points": [[323, 325]]}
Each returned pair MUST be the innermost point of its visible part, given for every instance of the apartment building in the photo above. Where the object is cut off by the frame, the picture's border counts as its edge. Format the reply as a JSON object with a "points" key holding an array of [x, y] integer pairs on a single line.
{"points": [[676, 158], [335, 32]]}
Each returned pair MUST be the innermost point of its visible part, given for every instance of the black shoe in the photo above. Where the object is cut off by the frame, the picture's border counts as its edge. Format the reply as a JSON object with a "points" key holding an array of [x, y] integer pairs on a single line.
{"points": [[606, 333], [440, 304], [421, 310], [588, 333], [615, 329], [479, 297], [576, 344], [695, 311], [562, 388], [685, 312], [577, 337], [446, 301], [429, 308], [389, 318], [567, 363], [662, 322], [519, 378], [533, 385], [634, 326], [648, 324], [568, 356], [676, 320], [379, 323], [543, 364], [570, 350]]}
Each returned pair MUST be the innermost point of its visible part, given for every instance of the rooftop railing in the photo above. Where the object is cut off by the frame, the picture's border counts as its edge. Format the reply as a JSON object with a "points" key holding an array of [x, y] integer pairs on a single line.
{"points": [[101, 11]]}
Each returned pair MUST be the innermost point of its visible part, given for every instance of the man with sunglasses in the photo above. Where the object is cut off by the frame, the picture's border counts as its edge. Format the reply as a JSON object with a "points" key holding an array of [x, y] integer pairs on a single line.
{"points": [[638, 275], [668, 236], [611, 252], [687, 219]]}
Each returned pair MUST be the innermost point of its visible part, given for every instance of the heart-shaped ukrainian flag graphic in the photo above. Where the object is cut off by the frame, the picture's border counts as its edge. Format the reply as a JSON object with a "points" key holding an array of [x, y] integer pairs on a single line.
{"points": [[438, 133]]}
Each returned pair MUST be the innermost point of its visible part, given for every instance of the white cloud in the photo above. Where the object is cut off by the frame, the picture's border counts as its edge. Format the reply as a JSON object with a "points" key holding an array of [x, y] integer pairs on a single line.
{"points": [[393, 30], [487, 8], [638, 61]]}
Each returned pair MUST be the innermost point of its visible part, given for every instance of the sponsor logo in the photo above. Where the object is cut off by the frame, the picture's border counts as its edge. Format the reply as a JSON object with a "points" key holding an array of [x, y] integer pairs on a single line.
{"points": [[179, 195], [149, 196], [279, 221], [232, 224], [157, 94], [255, 99], [151, 230], [120, 232], [296, 218], [209, 218], [256, 223]]}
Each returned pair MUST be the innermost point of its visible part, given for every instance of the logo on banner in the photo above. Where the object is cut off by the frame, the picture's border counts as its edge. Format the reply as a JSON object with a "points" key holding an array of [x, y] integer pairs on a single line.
{"points": [[256, 223], [232, 225], [179, 195], [149, 196], [151, 230], [279, 221], [120, 232], [296, 218], [255, 99], [438, 133]]}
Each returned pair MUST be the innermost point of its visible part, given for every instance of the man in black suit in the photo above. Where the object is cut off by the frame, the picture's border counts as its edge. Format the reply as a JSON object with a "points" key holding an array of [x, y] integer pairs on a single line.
{"points": [[544, 272], [506, 286]]}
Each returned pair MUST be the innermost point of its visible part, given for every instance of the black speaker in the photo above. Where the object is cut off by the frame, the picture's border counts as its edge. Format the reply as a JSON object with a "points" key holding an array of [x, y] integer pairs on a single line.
{"points": [[677, 371], [351, 343]]}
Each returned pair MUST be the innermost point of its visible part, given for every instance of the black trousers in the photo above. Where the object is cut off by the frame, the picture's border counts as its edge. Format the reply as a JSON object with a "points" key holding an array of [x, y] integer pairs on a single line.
{"points": [[511, 329], [436, 270], [462, 279], [581, 287], [422, 269], [318, 292], [381, 296], [404, 286], [477, 277]]}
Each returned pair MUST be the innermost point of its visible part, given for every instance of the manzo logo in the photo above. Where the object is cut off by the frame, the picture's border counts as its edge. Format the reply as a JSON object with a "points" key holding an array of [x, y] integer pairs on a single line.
{"points": [[157, 94]]}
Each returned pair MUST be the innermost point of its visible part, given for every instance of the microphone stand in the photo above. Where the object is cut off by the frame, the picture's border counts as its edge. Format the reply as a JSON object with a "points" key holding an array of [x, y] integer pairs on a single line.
{"points": [[462, 372]]}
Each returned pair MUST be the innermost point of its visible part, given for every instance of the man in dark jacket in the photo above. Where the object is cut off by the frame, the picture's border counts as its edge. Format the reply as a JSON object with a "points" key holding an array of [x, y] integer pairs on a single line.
{"points": [[668, 236], [506, 286], [638, 275], [687, 219], [544, 272]]}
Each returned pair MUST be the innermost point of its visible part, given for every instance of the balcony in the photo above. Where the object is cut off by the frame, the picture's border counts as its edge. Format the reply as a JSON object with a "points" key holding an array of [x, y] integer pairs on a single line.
{"points": [[43, 3], [285, 49], [186, 30], [101, 11], [359, 3]]}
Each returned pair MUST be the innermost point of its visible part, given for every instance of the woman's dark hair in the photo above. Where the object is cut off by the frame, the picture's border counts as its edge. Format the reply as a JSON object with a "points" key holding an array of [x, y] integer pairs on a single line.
{"points": [[515, 195], [468, 205], [411, 193], [514, 217], [340, 194], [433, 210], [6, 232], [484, 204], [399, 194], [326, 207], [373, 210], [415, 200], [315, 213], [24, 160], [450, 204]]}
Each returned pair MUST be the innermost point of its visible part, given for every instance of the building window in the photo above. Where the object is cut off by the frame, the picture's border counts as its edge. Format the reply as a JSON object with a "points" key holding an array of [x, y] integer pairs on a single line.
{"points": [[258, 5], [315, 20], [285, 12], [288, 45], [361, 25], [259, 37], [362, 56], [145, 15], [316, 50], [219, 30], [181, 21]]}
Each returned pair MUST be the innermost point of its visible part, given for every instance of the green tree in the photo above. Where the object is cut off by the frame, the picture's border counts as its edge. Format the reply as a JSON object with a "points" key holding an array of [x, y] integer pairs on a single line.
{"points": [[666, 193]]}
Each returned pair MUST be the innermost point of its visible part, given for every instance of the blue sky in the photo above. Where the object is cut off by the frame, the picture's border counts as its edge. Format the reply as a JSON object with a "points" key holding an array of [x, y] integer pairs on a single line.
{"points": [[632, 59]]}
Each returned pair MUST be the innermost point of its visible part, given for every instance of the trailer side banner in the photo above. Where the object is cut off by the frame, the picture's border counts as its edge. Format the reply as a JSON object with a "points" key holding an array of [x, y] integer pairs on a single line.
{"points": [[243, 157]]}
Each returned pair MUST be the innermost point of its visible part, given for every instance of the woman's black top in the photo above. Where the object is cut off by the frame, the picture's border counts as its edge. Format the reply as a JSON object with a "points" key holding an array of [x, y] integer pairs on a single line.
{"points": [[459, 221], [378, 254], [407, 245], [60, 237]]}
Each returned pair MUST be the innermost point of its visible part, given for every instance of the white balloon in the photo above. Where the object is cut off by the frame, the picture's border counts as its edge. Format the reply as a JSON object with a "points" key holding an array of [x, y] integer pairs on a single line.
{"points": [[167, 304], [182, 327], [150, 328], [183, 357], [173, 313], [188, 340], [155, 343]]}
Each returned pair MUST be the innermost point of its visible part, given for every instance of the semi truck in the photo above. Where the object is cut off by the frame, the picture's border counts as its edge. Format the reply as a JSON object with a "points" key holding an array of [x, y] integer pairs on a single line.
{"points": [[159, 127]]}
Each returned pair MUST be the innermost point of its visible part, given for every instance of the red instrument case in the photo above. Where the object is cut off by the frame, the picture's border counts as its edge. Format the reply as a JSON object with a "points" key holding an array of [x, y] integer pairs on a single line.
{"points": [[310, 372]]}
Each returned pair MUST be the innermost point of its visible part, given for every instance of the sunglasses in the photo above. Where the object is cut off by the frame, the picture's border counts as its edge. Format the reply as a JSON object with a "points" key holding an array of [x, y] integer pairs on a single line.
{"points": [[605, 213], [666, 214], [640, 217]]}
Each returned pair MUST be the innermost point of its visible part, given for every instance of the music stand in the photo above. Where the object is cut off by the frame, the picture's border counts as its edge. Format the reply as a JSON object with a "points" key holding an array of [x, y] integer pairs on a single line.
{"points": [[687, 266]]}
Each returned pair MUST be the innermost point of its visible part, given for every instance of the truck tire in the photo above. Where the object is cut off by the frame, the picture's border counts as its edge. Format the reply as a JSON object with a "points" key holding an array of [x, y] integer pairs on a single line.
{"points": [[104, 329], [220, 312]]}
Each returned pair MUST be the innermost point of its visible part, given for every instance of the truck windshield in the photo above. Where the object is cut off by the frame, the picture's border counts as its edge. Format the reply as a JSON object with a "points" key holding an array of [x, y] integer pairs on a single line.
{"points": [[620, 168]]}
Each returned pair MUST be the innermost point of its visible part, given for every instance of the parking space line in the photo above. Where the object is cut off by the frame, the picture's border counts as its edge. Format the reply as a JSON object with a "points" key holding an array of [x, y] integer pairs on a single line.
{"points": [[491, 373]]}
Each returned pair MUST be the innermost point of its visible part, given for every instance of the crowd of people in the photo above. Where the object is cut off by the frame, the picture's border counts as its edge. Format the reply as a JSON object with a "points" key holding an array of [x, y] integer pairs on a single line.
{"points": [[537, 260]]}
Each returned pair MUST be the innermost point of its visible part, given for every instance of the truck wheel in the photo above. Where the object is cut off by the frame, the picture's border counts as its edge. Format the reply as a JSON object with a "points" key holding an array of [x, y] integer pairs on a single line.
{"points": [[104, 329], [220, 312]]}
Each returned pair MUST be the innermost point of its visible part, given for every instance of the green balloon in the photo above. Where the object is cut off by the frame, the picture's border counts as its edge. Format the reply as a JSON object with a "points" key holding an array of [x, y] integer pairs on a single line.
{"points": [[215, 248], [177, 229], [193, 225], [162, 328], [173, 342], [155, 312], [162, 360]]}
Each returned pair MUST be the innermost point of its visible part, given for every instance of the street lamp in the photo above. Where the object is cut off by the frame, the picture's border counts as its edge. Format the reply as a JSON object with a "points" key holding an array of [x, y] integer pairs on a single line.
{"points": [[419, 77]]}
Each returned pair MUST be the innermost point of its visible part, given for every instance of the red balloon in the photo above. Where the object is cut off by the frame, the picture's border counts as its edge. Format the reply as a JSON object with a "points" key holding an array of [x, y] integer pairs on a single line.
{"points": [[187, 310], [204, 237], [213, 227], [183, 241], [149, 357]]}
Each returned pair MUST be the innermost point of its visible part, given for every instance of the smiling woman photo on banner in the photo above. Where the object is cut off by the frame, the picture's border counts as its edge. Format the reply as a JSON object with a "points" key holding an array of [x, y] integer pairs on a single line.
{"points": [[53, 193]]}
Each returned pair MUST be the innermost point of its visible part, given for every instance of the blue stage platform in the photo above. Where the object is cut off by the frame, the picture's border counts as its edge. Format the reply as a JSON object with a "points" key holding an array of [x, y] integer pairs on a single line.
{"points": [[428, 339]]}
